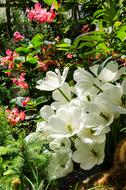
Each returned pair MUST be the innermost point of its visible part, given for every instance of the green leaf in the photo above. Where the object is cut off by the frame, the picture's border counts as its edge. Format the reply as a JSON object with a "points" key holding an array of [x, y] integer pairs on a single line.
{"points": [[31, 59], [24, 50], [40, 100], [121, 35], [50, 2], [37, 40], [98, 13], [87, 44], [1, 160], [63, 45], [9, 172], [87, 38]]}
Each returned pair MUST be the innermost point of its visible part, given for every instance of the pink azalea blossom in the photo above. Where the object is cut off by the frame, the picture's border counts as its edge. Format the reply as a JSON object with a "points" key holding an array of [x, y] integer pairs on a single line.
{"points": [[41, 14], [17, 37], [14, 116], [8, 60], [21, 81]]}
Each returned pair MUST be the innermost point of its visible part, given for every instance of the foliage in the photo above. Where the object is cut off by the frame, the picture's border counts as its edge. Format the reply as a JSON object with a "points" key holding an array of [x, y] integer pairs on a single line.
{"points": [[19, 159]]}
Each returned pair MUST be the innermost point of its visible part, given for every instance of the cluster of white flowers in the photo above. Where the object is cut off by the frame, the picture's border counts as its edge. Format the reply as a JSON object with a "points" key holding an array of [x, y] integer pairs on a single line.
{"points": [[81, 116]]}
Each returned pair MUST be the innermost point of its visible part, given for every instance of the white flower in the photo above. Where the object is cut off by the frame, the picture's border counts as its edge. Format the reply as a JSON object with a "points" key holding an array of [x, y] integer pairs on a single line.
{"points": [[61, 164], [65, 123], [113, 94], [60, 143], [97, 115], [62, 96], [88, 155], [86, 84], [46, 111], [123, 87], [89, 135], [110, 73], [53, 80]]}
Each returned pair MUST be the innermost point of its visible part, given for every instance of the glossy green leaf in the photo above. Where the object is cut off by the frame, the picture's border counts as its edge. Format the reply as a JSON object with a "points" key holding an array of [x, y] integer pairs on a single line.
{"points": [[37, 40], [24, 50], [50, 2], [41, 100], [31, 59]]}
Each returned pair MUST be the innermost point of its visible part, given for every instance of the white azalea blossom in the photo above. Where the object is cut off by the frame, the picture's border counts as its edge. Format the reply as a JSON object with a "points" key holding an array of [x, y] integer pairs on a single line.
{"points": [[62, 95], [46, 111], [110, 73], [113, 95], [89, 135], [87, 84], [60, 164], [77, 122], [88, 155], [97, 115], [65, 123], [53, 80], [60, 143]]}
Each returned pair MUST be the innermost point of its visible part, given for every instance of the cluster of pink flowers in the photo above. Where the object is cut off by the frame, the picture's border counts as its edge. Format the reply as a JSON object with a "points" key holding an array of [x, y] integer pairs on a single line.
{"points": [[8, 60], [21, 81], [41, 15], [14, 116], [25, 101], [44, 65], [17, 37]]}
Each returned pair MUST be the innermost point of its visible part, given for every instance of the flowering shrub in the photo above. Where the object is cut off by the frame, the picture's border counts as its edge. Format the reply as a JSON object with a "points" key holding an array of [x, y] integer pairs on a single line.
{"points": [[81, 115]]}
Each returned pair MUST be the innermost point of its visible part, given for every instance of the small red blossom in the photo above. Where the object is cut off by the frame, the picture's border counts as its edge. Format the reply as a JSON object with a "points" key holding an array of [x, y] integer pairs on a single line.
{"points": [[14, 116], [17, 37], [25, 101]]}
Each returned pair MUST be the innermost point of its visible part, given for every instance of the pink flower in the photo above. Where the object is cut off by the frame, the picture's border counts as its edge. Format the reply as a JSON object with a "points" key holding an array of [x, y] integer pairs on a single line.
{"points": [[21, 81], [14, 116], [41, 15], [22, 115], [8, 60], [17, 37], [69, 56], [8, 52], [25, 101]]}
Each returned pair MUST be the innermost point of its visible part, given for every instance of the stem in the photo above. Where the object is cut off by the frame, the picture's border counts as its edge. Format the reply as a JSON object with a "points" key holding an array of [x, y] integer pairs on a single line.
{"points": [[63, 95], [98, 87]]}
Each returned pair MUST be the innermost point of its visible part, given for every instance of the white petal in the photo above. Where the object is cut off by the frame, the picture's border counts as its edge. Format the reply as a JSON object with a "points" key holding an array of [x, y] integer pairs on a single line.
{"points": [[46, 111]]}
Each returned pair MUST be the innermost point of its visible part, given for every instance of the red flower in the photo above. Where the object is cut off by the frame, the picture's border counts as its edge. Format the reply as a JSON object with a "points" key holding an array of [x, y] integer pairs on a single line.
{"points": [[25, 101]]}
